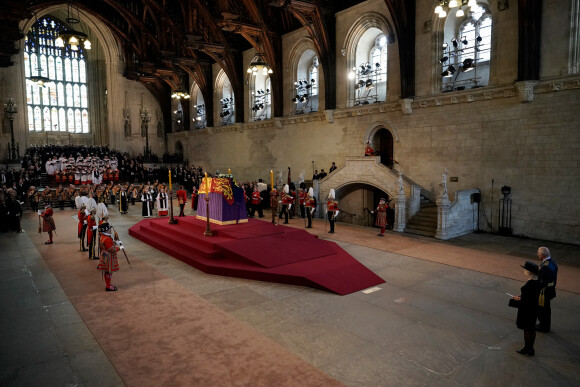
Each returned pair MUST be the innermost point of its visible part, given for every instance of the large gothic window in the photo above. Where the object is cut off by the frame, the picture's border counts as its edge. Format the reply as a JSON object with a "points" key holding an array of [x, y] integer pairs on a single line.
{"points": [[466, 51], [369, 75], [260, 96], [62, 104], [306, 91], [227, 112]]}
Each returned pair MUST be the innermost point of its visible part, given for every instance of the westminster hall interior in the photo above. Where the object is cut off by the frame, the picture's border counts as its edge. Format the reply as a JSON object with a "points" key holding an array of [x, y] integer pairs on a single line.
{"points": [[460, 117]]}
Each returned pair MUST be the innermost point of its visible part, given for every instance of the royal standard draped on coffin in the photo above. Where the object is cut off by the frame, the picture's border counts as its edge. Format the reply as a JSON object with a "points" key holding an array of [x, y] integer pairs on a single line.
{"points": [[226, 201]]}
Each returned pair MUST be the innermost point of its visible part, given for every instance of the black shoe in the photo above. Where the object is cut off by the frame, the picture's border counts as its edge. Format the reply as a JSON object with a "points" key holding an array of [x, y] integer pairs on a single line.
{"points": [[525, 351], [111, 289], [540, 328], [308, 227], [48, 243], [285, 222]]}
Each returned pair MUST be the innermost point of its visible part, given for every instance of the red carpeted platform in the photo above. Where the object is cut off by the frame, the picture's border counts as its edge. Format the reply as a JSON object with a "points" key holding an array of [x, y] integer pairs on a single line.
{"points": [[260, 251]]}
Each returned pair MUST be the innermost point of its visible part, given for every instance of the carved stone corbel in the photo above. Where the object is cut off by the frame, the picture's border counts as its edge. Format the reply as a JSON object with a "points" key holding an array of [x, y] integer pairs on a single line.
{"points": [[406, 105], [525, 90]]}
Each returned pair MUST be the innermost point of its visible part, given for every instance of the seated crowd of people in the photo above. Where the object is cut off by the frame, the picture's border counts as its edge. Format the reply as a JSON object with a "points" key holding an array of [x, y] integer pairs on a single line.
{"points": [[72, 171]]}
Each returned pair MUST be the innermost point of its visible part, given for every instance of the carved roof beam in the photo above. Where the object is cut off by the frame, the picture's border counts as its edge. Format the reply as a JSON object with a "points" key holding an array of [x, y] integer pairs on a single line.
{"points": [[222, 55], [320, 23]]}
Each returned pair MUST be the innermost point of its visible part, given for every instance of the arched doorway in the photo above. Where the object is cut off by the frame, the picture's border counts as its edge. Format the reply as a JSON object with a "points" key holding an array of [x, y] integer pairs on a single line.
{"points": [[383, 142], [357, 200], [179, 151]]}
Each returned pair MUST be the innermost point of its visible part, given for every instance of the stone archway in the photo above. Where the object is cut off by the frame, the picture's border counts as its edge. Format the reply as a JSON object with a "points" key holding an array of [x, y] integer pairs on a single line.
{"points": [[179, 150]]}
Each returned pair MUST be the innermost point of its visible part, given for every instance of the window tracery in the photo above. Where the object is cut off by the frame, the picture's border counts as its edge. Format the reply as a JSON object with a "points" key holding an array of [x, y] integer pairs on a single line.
{"points": [[48, 105]]}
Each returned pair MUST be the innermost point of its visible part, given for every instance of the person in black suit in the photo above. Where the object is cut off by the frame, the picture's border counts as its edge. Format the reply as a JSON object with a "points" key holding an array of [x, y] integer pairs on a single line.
{"points": [[548, 276], [527, 304]]}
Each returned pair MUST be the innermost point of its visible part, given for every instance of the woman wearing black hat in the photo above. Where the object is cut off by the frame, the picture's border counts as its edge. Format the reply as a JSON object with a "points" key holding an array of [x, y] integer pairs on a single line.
{"points": [[528, 307]]}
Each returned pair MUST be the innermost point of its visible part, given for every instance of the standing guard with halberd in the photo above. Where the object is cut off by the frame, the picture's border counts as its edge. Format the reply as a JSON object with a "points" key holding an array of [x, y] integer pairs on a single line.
{"points": [[381, 220], [108, 262]]}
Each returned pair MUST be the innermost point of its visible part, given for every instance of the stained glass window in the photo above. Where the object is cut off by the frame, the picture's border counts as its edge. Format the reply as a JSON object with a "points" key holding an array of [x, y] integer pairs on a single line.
{"points": [[66, 66], [60, 93], [30, 119]]}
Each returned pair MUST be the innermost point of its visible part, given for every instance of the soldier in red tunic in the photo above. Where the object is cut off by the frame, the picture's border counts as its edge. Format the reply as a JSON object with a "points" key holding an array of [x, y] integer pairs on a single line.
{"points": [[369, 149], [331, 210], [256, 203], [47, 222], [302, 197], [310, 206], [108, 262], [92, 233], [381, 216], [181, 199], [286, 201]]}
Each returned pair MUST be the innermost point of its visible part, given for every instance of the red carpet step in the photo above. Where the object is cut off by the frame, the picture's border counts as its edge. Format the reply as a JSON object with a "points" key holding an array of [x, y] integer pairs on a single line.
{"points": [[260, 251]]}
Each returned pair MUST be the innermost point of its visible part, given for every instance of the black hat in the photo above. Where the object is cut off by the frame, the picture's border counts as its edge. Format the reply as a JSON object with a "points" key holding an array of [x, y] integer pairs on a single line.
{"points": [[531, 267], [104, 227]]}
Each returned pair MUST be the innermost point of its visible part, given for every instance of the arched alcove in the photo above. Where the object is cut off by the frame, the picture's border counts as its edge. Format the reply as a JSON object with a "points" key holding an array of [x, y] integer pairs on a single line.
{"points": [[357, 200]]}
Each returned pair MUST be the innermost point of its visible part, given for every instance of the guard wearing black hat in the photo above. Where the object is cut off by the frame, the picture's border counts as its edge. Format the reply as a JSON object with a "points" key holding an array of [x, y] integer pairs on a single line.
{"points": [[47, 222], [108, 262]]}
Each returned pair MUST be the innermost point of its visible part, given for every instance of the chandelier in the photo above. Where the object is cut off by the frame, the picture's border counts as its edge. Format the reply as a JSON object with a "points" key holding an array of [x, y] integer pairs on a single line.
{"points": [[447, 5], [72, 37], [180, 94], [259, 64]]}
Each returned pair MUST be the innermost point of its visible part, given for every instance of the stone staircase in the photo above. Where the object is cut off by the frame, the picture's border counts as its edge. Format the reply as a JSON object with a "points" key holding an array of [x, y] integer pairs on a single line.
{"points": [[425, 221]]}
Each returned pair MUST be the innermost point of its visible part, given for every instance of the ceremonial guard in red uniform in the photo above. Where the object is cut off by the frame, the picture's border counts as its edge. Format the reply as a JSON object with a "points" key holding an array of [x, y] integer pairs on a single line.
{"points": [[369, 149], [92, 233], [286, 201], [302, 196], [274, 203], [292, 208], [331, 210], [256, 203], [181, 199], [108, 262], [310, 206], [47, 222], [381, 216]]}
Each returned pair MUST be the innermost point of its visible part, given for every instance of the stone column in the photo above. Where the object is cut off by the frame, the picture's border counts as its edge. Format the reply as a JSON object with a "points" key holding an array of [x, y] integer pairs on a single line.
{"points": [[400, 208], [443, 205]]}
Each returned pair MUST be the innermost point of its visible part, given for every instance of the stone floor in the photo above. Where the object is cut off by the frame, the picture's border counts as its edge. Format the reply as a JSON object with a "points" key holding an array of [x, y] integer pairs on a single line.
{"points": [[432, 322]]}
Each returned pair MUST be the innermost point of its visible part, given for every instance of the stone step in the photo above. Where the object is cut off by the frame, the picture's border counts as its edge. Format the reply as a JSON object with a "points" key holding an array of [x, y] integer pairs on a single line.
{"points": [[423, 226], [422, 222], [429, 233], [425, 215]]}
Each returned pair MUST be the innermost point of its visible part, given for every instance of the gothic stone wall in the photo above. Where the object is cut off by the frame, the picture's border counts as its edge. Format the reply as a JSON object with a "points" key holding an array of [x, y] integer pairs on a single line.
{"points": [[531, 147]]}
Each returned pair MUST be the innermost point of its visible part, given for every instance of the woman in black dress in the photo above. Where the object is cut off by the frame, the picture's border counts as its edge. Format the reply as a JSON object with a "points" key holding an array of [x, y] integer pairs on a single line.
{"points": [[528, 307]]}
